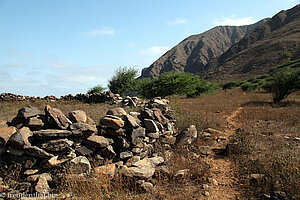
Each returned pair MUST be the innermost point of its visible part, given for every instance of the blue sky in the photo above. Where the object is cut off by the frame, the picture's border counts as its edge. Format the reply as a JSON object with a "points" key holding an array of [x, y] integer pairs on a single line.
{"points": [[58, 47]]}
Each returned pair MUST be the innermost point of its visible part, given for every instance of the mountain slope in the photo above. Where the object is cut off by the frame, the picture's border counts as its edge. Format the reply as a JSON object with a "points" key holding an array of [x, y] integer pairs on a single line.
{"points": [[274, 42], [193, 53]]}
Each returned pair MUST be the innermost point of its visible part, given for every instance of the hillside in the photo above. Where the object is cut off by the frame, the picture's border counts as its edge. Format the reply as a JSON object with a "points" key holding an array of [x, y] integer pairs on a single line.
{"points": [[274, 42], [193, 53]]}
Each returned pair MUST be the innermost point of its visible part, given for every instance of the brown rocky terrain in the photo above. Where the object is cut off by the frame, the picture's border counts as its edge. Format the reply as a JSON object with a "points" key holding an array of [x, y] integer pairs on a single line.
{"points": [[193, 53], [274, 42]]}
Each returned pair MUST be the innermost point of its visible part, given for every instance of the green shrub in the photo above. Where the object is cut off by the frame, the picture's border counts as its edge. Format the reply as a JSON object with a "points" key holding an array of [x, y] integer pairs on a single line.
{"points": [[96, 89], [232, 84], [123, 81], [249, 86], [171, 83], [283, 84]]}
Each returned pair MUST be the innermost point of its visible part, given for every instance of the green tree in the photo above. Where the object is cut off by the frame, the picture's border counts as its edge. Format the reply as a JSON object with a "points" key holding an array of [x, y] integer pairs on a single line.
{"points": [[283, 84], [96, 89], [123, 80]]}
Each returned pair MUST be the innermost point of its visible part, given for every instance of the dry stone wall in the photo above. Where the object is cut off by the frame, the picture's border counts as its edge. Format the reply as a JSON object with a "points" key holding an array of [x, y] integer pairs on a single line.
{"points": [[129, 142]]}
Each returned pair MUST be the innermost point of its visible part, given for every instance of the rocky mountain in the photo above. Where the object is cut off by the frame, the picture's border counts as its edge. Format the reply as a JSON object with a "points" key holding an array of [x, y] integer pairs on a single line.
{"points": [[272, 43], [194, 53]]}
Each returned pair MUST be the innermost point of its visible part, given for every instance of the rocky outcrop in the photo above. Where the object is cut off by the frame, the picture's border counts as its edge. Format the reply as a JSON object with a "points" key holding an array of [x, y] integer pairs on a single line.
{"points": [[194, 53]]}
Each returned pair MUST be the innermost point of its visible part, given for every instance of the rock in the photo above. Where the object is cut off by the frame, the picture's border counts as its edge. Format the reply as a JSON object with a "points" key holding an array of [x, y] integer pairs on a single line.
{"points": [[151, 125], [112, 122], [114, 132], [56, 117], [147, 187], [28, 111], [90, 121], [213, 131], [149, 162], [187, 136], [97, 141], [125, 155], [81, 164], [153, 135], [159, 116], [132, 160], [213, 181], [205, 187], [58, 145], [144, 172], [106, 170], [180, 174], [137, 134], [84, 151], [83, 130], [42, 183], [37, 152], [121, 144], [30, 162], [119, 112], [108, 152], [147, 114], [36, 122], [17, 122], [5, 134], [54, 162], [78, 116], [204, 150], [166, 139], [31, 172], [20, 138], [206, 135], [15, 152], [52, 133], [132, 121]]}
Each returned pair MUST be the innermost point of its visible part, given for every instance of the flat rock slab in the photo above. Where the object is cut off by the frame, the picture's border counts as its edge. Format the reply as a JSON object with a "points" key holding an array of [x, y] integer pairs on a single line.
{"points": [[106, 170], [36, 122], [137, 172], [81, 164], [5, 134], [112, 122], [83, 130], [28, 111], [151, 125], [97, 141], [119, 112], [59, 145], [37, 152], [52, 133]]}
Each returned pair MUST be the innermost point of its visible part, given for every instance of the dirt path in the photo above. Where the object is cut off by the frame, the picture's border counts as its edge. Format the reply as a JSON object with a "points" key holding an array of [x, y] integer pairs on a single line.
{"points": [[223, 184]]}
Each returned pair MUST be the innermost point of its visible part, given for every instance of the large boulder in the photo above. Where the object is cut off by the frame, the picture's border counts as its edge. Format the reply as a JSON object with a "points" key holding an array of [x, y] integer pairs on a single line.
{"points": [[137, 135], [57, 118], [42, 186], [106, 170], [5, 134], [119, 112], [151, 125], [36, 122], [20, 138]]}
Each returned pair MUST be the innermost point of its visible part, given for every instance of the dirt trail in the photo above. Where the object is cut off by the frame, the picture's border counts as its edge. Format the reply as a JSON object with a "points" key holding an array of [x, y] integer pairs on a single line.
{"points": [[225, 185]]}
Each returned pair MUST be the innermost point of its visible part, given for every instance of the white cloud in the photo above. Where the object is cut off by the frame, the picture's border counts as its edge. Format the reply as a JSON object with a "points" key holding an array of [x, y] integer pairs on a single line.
{"points": [[177, 21], [99, 32], [155, 50], [234, 21]]}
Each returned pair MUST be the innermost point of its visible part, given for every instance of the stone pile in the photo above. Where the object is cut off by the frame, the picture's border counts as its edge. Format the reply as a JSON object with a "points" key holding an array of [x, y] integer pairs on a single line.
{"points": [[104, 97], [16, 97], [129, 142]]}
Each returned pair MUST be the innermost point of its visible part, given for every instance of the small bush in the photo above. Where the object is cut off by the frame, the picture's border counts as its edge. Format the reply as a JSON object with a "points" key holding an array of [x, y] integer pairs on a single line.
{"points": [[249, 86], [96, 89]]}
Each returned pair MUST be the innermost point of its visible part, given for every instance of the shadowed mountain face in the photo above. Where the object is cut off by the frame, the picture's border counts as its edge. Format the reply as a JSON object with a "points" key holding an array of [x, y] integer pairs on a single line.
{"points": [[194, 53], [272, 43]]}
